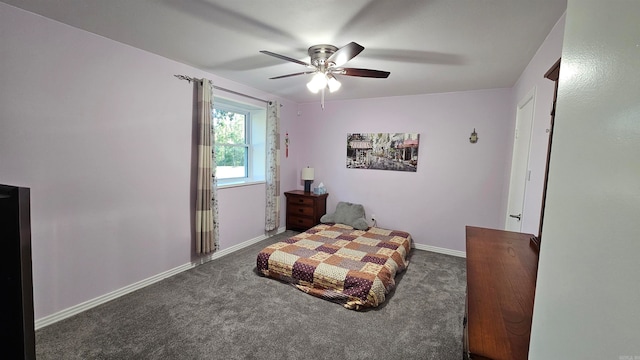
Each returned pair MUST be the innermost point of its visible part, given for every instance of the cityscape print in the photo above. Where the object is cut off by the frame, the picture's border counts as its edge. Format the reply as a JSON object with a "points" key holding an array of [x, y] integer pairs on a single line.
{"points": [[383, 151]]}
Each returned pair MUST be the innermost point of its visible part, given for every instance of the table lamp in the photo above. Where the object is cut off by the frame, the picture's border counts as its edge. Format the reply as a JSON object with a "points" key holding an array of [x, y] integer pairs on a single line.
{"points": [[307, 176]]}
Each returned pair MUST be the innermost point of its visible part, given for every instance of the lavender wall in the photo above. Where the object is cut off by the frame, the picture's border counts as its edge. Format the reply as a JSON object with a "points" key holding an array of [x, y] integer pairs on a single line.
{"points": [[457, 183], [455, 187], [101, 133]]}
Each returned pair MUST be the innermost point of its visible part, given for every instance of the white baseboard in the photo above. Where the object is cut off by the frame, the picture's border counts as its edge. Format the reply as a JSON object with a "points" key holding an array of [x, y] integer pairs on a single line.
{"points": [[440, 250], [234, 248], [76, 309]]}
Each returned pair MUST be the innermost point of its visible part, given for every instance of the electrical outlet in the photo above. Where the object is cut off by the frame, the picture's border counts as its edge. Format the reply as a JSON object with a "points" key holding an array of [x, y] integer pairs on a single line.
{"points": [[373, 217]]}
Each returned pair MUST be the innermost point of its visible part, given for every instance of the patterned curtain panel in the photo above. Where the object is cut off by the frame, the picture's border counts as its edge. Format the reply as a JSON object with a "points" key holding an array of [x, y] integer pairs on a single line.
{"points": [[206, 196], [272, 220]]}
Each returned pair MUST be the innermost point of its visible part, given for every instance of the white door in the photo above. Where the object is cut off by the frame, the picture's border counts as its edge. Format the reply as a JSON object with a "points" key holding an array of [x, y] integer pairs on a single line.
{"points": [[520, 162]]}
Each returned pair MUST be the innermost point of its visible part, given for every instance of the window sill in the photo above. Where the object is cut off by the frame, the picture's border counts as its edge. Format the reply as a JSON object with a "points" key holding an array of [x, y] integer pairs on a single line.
{"points": [[240, 183]]}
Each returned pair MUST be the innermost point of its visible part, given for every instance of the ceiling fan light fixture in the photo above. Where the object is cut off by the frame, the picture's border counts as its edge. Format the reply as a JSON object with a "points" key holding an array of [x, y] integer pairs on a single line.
{"points": [[333, 83], [318, 81], [312, 87]]}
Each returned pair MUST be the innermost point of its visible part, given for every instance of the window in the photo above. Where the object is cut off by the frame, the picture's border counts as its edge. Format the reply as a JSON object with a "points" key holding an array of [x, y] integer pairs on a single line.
{"points": [[231, 143], [239, 142]]}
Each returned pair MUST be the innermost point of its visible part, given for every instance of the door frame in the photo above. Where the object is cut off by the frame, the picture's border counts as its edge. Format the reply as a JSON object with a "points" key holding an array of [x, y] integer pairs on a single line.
{"points": [[530, 96]]}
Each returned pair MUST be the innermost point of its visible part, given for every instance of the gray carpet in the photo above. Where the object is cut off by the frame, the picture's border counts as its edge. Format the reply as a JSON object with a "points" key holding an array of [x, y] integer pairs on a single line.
{"points": [[225, 310]]}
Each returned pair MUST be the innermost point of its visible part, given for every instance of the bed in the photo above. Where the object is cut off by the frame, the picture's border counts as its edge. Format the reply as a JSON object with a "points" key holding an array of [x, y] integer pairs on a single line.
{"points": [[356, 268]]}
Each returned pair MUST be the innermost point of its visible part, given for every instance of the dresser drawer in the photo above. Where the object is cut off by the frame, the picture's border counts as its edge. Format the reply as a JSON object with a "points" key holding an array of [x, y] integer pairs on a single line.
{"points": [[300, 210], [303, 201], [300, 222]]}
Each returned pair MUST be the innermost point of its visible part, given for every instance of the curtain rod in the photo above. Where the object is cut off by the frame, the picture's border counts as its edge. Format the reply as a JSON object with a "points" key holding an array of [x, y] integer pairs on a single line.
{"points": [[190, 79]]}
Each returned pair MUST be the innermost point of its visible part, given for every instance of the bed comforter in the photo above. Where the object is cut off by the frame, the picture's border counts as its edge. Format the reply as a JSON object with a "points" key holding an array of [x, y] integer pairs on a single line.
{"points": [[339, 263]]}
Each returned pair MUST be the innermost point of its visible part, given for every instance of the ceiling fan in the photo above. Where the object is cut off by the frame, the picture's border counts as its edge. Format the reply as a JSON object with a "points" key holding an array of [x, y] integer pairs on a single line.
{"points": [[326, 62]]}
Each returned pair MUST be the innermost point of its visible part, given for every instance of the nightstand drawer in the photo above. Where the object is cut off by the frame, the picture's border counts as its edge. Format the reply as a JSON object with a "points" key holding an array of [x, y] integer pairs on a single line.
{"points": [[304, 210], [304, 201], [301, 222], [297, 210]]}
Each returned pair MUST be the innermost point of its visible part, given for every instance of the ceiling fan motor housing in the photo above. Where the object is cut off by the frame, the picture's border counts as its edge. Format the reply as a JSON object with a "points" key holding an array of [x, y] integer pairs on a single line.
{"points": [[319, 55]]}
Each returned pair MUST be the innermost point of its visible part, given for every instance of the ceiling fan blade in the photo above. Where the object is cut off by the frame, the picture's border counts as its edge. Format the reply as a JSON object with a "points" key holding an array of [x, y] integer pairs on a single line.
{"points": [[363, 72], [345, 53], [288, 75], [282, 57]]}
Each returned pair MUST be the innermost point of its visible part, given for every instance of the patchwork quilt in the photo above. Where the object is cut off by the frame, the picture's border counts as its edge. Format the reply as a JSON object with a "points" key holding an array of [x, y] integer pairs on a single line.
{"points": [[339, 263]]}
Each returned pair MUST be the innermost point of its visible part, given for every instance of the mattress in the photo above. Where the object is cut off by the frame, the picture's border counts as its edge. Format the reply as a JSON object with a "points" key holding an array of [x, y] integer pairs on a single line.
{"points": [[356, 268]]}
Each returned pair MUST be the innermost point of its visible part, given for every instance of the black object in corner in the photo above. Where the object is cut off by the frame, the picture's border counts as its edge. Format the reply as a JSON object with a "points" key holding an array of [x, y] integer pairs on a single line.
{"points": [[17, 331]]}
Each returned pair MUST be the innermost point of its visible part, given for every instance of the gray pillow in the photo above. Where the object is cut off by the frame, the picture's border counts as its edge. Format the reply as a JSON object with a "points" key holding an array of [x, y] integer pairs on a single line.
{"points": [[348, 214]]}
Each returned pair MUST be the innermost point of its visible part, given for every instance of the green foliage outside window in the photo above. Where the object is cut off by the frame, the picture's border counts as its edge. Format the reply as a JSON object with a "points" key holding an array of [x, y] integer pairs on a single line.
{"points": [[229, 127], [231, 145]]}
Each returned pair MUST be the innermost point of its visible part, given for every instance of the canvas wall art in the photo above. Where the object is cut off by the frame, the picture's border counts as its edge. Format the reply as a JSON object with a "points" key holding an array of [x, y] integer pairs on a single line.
{"points": [[383, 151]]}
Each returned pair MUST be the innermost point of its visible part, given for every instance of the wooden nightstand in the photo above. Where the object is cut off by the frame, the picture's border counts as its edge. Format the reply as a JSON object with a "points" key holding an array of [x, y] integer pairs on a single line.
{"points": [[304, 210]]}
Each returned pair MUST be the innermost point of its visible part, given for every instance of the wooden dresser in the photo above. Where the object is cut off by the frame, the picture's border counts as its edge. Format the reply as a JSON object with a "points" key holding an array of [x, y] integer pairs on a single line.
{"points": [[304, 210], [501, 281]]}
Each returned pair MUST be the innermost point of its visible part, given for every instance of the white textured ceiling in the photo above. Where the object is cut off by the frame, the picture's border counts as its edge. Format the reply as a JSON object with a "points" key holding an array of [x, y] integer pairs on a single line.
{"points": [[429, 46]]}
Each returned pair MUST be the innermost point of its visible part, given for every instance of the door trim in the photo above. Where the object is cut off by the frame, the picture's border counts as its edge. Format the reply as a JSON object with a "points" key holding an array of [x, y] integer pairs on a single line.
{"points": [[529, 97]]}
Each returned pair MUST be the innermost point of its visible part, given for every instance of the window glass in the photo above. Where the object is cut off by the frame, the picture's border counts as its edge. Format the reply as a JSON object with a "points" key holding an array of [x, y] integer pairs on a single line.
{"points": [[231, 143]]}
